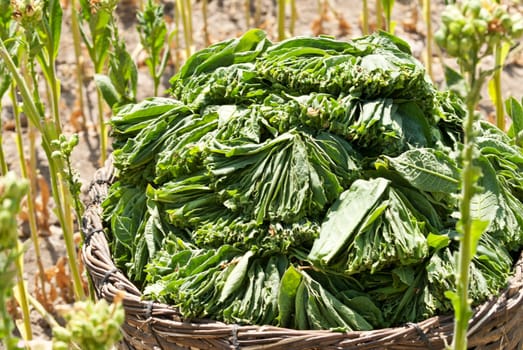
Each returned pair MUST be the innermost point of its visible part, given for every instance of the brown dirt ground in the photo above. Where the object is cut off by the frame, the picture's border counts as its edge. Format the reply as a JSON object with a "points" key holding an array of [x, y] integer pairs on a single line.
{"points": [[226, 19]]}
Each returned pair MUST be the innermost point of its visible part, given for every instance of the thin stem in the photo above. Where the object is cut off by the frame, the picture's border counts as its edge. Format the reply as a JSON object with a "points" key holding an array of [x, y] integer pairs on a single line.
{"points": [[500, 110], [365, 18], [379, 14], [32, 111], [188, 8], [182, 11], [205, 23], [48, 133], [247, 5], [49, 68], [388, 15], [59, 191], [42, 311], [75, 28], [33, 228], [428, 42], [463, 311], [23, 294], [69, 241], [281, 20], [294, 16], [176, 55], [462, 275], [103, 129], [3, 164], [257, 13]]}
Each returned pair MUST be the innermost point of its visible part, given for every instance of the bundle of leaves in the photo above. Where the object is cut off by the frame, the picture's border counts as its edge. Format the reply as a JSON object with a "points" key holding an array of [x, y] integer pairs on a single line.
{"points": [[310, 183]]}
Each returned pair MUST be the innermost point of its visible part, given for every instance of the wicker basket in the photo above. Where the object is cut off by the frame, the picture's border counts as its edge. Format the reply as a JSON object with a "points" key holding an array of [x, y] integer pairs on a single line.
{"points": [[497, 324]]}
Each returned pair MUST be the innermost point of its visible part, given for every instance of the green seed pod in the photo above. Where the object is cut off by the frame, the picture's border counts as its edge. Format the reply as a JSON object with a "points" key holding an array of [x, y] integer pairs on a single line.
{"points": [[61, 333], [451, 14], [452, 46], [472, 8], [455, 28], [480, 26], [60, 345], [468, 30], [441, 37], [465, 45], [506, 23]]}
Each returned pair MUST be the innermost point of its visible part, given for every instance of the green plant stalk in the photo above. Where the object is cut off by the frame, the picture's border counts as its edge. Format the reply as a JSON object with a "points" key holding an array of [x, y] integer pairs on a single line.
{"points": [[205, 23], [365, 18], [3, 163], [98, 63], [159, 72], [23, 294], [188, 6], [155, 63], [33, 228], [180, 6], [48, 317], [257, 13], [67, 232], [463, 312], [48, 133], [176, 38], [247, 5], [387, 6], [379, 14], [69, 241], [78, 205], [429, 40], [281, 20], [99, 35], [294, 16], [79, 210], [75, 28], [103, 129], [500, 110], [48, 66]]}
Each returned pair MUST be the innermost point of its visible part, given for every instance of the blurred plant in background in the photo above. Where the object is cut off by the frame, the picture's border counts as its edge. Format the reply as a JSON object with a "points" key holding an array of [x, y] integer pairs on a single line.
{"points": [[90, 325], [12, 191]]}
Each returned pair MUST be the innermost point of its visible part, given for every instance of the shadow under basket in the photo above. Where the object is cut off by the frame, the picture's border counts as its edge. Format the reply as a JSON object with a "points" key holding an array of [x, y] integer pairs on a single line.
{"points": [[496, 324]]}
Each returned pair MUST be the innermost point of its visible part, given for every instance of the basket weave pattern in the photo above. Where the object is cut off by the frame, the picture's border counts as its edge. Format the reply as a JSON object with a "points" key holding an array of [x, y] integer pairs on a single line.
{"points": [[497, 324]]}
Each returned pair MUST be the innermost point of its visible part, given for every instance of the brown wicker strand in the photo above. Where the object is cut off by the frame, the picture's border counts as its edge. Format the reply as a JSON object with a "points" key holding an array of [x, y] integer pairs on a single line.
{"points": [[496, 324]]}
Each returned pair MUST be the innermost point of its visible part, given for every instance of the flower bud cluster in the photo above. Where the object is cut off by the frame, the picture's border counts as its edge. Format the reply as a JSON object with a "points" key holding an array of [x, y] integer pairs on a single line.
{"points": [[27, 12], [90, 325], [474, 27], [12, 190], [103, 5]]}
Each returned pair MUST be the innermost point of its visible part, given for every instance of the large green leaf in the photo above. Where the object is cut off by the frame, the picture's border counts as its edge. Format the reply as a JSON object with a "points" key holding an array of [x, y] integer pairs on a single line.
{"points": [[427, 169], [344, 218], [515, 111]]}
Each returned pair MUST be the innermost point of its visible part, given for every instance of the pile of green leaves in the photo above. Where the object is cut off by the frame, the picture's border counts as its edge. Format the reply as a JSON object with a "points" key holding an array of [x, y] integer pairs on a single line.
{"points": [[310, 183]]}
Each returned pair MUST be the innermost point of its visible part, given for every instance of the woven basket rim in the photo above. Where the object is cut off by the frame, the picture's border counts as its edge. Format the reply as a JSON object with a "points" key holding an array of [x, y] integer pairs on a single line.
{"points": [[154, 325]]}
